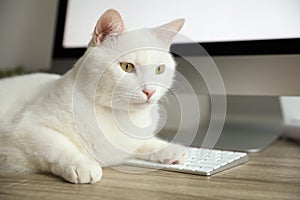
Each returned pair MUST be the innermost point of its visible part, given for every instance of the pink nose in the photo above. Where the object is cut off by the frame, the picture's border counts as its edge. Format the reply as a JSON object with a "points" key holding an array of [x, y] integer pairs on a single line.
{"points": [[149, 93]]}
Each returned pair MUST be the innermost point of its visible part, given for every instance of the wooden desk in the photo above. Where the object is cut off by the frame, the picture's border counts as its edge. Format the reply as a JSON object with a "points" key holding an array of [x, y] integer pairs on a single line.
{"points": [[271, 174]]}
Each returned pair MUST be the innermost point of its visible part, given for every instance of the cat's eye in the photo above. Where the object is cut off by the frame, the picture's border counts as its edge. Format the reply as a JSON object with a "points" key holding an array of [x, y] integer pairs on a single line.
{"points": [[127, 67], [160, 69]]}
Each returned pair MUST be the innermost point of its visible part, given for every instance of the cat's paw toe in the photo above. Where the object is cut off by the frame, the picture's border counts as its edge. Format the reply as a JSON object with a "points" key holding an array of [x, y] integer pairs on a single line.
{"points": [[182, 159], [173, 153], [87, 173], [81, 172]]}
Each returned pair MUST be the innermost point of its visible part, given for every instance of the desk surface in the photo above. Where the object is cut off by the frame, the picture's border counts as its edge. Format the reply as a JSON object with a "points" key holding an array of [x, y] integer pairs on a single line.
{"points": [[271, 174]]}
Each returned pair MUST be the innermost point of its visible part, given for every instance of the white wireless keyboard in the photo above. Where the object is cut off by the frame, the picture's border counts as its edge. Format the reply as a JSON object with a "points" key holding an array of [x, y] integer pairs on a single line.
{"points": [[200, 161]]}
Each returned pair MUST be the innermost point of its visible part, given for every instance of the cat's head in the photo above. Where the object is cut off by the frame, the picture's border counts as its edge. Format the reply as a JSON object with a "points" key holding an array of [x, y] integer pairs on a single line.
{"points": [[136, 67]]}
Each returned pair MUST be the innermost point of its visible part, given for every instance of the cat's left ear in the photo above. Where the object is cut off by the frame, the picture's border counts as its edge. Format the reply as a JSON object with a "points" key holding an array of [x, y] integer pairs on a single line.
{"points": [[110, 23], [168, 31]]}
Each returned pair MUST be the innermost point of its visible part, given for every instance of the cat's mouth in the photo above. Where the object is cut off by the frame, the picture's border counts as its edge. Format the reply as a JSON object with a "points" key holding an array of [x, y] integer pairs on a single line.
{"points": [[145, 102], [142, 103]]}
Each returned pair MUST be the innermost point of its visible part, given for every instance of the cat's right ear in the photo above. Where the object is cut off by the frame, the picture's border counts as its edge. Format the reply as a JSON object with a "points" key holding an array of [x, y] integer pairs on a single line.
{"points": [[110, 23]]}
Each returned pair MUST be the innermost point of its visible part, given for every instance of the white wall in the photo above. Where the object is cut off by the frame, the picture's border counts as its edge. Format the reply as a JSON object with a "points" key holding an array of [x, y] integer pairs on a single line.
{"points": [[291, 113], [291, 110], [27, 33]]}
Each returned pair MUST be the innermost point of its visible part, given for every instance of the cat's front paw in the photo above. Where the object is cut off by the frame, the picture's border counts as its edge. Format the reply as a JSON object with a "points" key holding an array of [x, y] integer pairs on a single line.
{"points": [[82, 171], [172, 153]]}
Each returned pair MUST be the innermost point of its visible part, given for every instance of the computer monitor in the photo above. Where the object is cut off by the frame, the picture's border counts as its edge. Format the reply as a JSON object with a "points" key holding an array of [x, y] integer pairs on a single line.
{"points": [[254, 43]]}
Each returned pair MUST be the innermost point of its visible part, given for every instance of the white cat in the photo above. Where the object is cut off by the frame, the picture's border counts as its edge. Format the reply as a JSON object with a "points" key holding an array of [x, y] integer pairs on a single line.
{"points": [[38, 132]]}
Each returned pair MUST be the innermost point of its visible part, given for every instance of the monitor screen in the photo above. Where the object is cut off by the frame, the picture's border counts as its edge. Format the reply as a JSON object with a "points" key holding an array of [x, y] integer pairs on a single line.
{"points": [[232, 27], [206, 20]]}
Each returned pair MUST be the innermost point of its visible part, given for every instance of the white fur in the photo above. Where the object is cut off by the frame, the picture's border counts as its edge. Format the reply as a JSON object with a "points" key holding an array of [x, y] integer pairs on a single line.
{"points": [[37, 129]]}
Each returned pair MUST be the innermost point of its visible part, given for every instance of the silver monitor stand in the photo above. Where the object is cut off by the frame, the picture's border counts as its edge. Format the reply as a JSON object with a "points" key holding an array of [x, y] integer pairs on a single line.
{"points": [[252, 123], [254, 119]]}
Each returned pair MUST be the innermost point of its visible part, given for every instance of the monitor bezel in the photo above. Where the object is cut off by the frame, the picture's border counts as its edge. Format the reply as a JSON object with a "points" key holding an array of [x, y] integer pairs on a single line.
{"points": [[230, 48]]}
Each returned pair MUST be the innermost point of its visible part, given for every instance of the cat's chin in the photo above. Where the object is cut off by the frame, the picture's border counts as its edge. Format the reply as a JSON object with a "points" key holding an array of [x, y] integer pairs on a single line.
{"points": [[141, 105], [131, 106]]}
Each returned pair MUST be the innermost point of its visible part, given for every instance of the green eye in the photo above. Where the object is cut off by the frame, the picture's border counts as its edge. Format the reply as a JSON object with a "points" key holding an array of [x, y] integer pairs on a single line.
{"points": [[160, 69], [127, 67]]}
